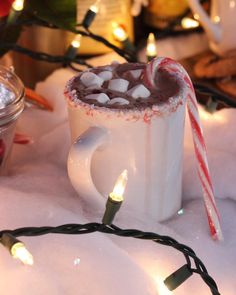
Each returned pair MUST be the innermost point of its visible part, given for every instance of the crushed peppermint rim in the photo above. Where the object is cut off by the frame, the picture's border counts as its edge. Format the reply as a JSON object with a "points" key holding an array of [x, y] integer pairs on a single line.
{"points": [[145, 112]]}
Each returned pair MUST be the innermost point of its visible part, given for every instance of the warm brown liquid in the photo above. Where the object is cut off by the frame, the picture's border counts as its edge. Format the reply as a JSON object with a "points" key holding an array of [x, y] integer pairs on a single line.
{"points": [[166, 86]]}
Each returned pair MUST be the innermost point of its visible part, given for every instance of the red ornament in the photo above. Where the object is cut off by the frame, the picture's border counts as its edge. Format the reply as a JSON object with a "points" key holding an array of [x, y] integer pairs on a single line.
{"points": [[5, 7]]}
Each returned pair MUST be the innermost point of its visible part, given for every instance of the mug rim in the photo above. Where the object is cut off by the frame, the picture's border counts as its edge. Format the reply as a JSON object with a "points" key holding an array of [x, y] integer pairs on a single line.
{"points": [[159, 109]]}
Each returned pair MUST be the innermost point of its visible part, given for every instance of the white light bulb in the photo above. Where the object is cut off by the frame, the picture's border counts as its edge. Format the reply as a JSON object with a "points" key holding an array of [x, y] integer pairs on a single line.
{"points": [[232, 3], [189, 23], [76, 41], [151, 46], [19, 251], [119, 188], [119, 32], [216, 19], [95, 7], [161, 287], [18, 5]]}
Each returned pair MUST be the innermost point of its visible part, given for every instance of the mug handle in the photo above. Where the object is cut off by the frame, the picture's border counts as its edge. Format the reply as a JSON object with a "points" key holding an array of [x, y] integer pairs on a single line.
{"points": [[212, 29], [79, 164]]}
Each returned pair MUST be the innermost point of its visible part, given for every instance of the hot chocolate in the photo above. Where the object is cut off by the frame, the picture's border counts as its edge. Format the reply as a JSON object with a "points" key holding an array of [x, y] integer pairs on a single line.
{"points": [[129, 116], [122, 86]]}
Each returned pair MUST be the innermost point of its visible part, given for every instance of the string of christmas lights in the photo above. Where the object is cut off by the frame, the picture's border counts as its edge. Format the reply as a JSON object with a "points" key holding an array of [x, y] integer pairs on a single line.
{"points": [[17, 249], [42, 56], [128, 50], [216, 96]]}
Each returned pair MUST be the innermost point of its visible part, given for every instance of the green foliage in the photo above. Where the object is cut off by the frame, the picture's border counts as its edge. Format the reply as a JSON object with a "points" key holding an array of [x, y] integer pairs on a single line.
{"points": [[61, 13]]}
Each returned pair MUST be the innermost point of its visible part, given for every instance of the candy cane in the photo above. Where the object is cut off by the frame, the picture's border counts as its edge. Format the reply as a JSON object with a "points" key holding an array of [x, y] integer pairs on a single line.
{"points": [[174, 68]]}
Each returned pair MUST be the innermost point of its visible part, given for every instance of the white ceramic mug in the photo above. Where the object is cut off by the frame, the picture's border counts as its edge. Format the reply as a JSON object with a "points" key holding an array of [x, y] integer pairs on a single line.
{"points": [[220, 26], [148, 143]]}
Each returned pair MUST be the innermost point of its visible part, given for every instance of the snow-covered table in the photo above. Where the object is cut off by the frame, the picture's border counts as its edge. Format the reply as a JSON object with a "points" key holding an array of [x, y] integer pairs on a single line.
{"points": [[38, 192]]}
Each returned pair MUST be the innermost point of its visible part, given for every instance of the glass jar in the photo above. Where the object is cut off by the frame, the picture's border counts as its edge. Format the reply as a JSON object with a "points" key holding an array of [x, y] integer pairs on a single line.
{"points": [[9, 112]]}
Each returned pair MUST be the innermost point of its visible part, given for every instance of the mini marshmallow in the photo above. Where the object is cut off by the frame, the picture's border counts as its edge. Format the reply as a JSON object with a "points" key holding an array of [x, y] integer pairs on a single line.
{"points": [[100, 97], [120, 85], [105, 75], [136, 73], [118, 100], [89, 79], [139, 91]]}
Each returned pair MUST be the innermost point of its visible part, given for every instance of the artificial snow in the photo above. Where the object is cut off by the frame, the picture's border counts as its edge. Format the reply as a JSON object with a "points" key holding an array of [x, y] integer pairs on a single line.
{"points": [[37, 192]]}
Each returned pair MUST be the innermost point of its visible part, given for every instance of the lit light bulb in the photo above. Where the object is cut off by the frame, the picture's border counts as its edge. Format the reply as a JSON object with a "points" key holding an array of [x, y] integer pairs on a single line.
{"points": [[151, 50], [20, 252], [95, 6], [18, 5], [76, 41], [17, 248], [119, 32], [119, 188], [15, 12], [217, 116], [73, 48], [161, 287], [90, 15], [115, 198], [178, 277], [232, 3], [216, 19], [189, 23]]}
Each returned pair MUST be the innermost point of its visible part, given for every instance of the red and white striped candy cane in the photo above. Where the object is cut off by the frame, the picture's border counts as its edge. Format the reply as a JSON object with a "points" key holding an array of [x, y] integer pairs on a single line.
{"points": [[175, 68]]}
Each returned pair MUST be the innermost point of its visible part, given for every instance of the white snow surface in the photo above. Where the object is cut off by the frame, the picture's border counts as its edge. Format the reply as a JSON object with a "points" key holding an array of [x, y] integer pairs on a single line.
{"points": [[37, 192]]}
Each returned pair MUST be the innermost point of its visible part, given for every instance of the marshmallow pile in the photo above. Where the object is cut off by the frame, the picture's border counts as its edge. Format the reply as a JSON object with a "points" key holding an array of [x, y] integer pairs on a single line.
{"points": [[106, 84]]}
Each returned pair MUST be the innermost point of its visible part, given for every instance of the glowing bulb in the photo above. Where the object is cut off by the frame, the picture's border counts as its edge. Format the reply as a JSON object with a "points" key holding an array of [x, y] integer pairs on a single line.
{"points": [[151, 46], [206, 116], [115, 199], [189, 23], [231, 3], [119, 33], [95, 7], [161, 288], [18, 250], [18, 5], [216, 19], [196, 16], [119, 188], [76, 41]]}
